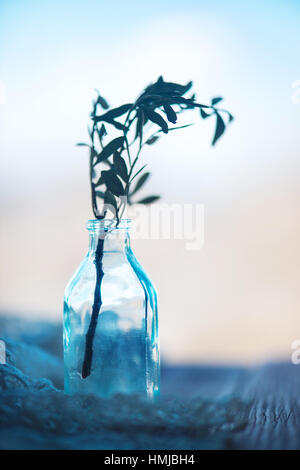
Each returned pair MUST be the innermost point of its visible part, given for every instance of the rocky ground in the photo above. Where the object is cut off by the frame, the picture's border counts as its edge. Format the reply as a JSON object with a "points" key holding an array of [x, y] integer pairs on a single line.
{"points": [[200, 407]]}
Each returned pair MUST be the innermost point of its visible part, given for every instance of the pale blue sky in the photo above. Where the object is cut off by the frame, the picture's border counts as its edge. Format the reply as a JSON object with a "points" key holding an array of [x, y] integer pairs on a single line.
{"points": [[53, 54]]}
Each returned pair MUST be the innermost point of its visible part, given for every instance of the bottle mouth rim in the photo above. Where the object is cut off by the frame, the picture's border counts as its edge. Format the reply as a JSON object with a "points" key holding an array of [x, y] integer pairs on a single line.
{"points": [[106, 224]]}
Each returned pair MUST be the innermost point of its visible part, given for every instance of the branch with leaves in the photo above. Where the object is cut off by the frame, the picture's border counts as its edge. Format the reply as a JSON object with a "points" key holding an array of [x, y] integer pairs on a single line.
{"points": [[114, 174], [114, 177]]}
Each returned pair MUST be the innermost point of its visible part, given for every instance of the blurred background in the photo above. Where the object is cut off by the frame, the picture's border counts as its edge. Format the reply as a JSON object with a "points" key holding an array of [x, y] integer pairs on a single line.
{"points": [[237, 299]]}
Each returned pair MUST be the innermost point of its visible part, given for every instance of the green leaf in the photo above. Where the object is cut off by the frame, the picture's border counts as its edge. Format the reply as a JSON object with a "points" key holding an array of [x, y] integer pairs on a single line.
{"points": [[171, 115], [220, 128], [109, 149], [148, 200], [216, 100], [113, 183], [152, 140], [113, 113], [120, 166], [140, 182], [157, 119]]}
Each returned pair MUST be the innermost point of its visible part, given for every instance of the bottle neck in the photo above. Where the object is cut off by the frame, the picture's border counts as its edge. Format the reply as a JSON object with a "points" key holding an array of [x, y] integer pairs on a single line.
{"points": [[112, 242], [113, 236]]}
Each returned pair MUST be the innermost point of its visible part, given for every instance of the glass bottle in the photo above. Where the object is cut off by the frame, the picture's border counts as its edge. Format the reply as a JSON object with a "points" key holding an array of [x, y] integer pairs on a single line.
{"points": [[110, 319]]}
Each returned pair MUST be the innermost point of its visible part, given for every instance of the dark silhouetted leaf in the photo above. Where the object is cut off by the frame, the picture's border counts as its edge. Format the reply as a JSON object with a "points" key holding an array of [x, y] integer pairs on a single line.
{"points": [[102, 101], [152, 140], [180, 127], [157, 119], [140, 124], [91, 133], [120, 166], [112, 182], [101, 133], [189, 102], [137, 173], [100, 181], [216, 100], [117, 125], [204, 115], [113, 113], [171, 115], [93, 154], [100, 194], [231, 118], [82, 144], [140, 182], [167, 88], [110, 199], [220, 128], [110, 148], [148, 200]]}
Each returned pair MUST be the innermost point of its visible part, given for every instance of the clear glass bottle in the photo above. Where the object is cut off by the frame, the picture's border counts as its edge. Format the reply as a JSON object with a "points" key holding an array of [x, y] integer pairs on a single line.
{"points": [[110, 319]]}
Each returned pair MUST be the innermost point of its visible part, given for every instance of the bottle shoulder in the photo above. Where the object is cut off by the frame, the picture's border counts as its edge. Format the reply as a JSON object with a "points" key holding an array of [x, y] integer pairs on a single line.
{"points": [[141, 273], [78, 274], [120, 269]]}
